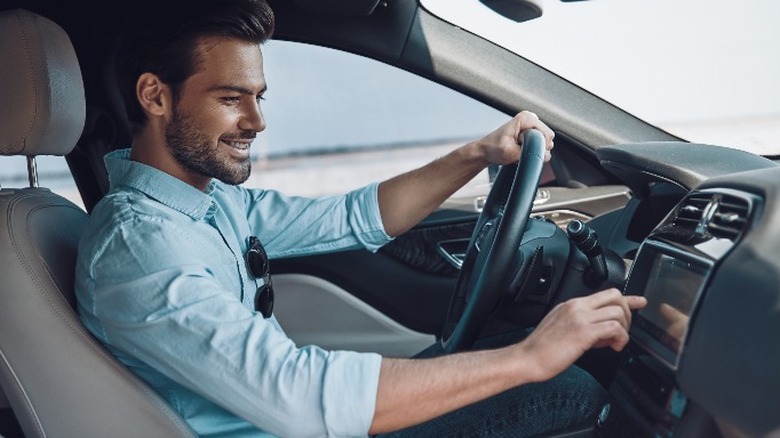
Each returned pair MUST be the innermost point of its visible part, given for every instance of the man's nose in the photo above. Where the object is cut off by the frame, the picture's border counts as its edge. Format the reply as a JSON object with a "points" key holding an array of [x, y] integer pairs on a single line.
{"points": [[252, 118]]}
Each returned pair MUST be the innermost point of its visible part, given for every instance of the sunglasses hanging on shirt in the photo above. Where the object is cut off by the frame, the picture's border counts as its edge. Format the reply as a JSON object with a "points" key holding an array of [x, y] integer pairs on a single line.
{"points": [[257, 263]]}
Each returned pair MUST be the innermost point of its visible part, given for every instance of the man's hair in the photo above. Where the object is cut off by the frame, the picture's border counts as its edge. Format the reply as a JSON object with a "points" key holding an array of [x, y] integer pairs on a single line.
{"points": [[161, 38]]}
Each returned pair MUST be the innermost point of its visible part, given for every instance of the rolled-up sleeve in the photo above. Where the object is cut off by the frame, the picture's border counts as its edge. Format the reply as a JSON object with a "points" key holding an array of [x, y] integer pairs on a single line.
{"points": [[155, 302], [291, 225]]}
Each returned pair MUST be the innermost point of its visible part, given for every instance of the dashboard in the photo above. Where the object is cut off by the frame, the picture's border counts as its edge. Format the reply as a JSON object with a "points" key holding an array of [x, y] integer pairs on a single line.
{"points": [[704, 354]]}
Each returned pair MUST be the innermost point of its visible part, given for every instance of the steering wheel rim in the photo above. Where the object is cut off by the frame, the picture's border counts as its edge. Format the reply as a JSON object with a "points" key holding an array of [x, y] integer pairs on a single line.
{"points": [[486, 273]]}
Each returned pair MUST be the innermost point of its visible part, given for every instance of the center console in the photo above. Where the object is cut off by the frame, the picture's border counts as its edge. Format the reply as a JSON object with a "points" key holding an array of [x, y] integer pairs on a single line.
{"points": [[671, 269]]}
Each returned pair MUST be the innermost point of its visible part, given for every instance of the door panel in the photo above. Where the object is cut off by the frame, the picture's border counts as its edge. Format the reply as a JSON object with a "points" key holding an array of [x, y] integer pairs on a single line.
{"points": [[411, 297], [336, 320]]}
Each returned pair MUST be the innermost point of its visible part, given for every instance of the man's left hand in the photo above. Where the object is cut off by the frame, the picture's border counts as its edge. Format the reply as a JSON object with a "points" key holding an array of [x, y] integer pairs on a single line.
{"points": [[501, 145]]}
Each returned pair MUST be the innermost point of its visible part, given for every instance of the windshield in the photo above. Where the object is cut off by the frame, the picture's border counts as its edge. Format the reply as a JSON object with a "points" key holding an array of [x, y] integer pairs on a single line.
{"points": [[704, 70]]}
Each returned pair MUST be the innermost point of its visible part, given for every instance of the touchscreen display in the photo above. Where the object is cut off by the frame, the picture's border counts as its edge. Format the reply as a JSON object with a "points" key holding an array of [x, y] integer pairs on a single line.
{"points": [[671, 289]]}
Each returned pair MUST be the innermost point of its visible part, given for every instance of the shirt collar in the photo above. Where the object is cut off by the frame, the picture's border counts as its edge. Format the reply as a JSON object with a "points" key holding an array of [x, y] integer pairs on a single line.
{"points": [[158, 185]]}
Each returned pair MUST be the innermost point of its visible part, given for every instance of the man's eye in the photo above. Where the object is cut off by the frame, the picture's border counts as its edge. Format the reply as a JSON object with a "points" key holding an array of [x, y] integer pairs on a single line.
{"points": [[231, 99], [259, 97]]}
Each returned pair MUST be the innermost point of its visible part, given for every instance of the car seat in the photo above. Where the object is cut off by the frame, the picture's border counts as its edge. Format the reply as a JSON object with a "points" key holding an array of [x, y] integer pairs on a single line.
{"points": [[58, 380]]}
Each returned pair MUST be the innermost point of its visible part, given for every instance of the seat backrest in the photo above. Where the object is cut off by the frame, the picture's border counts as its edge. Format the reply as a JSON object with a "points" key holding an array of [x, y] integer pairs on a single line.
{"points": [[57, 379]]}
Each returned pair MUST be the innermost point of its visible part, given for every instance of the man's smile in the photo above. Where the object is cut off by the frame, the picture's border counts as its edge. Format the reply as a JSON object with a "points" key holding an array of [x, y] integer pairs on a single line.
{"points": [[237, 144], [239, 148]]}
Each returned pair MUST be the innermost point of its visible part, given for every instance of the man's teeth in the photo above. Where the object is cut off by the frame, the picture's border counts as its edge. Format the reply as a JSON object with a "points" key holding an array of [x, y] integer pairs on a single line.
{"points": [[236, 144]]}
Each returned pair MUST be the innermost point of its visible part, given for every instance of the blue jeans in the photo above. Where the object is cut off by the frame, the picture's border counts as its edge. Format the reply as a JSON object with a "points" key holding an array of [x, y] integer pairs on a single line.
{"points": [[572, 398]]}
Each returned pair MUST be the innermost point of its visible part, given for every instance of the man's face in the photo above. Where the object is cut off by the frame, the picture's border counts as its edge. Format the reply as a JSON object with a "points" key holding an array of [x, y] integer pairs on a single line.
{"points": [[217, 114]]}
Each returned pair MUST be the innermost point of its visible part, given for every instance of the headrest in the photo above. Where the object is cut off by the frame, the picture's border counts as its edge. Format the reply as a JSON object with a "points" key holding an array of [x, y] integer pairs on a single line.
{"points": [[42, 104]]}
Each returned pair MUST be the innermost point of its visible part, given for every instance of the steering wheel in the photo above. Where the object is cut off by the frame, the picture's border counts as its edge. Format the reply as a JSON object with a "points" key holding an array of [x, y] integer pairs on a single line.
{"points": [[489, 266]]}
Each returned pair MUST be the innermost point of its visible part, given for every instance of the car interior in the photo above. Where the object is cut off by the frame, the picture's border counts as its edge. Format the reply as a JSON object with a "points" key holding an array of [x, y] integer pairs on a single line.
{"points": [[623, 204]]}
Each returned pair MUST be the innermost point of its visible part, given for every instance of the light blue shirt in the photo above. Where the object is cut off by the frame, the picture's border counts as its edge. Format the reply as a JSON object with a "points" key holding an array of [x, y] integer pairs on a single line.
{"points": [[161, 280]]}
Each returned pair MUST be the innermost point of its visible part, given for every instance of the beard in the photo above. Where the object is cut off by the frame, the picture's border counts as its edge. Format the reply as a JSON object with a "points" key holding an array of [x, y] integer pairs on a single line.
{"points": [[194, 150]]}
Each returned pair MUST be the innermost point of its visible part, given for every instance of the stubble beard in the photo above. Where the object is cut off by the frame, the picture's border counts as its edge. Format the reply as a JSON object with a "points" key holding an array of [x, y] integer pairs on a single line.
{"points": [[193, 150]]}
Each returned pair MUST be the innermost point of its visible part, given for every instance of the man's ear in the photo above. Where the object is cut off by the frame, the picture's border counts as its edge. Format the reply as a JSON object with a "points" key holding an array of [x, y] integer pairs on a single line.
{"points": [[153, 95]]}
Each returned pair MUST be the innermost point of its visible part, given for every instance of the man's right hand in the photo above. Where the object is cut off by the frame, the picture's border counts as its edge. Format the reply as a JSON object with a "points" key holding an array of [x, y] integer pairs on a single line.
{"points": [[574, 327], [415, 390]]}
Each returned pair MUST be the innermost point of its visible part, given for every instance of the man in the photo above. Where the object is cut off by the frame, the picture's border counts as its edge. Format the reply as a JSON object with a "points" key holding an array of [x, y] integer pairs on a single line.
{"points": [[163, 275]]}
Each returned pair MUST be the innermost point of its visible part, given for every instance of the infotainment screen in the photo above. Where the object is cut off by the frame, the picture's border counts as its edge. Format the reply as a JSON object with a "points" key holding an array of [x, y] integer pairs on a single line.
{"points": [[671, 283]]}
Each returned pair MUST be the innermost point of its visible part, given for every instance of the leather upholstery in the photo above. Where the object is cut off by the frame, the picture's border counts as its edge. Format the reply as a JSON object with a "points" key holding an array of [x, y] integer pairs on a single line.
{"points": [[58, 380]]}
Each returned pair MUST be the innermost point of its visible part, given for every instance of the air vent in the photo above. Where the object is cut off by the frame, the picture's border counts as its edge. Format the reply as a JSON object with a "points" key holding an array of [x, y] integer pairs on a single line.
{"points": [[711, 214], [729, 217], [692, 210]]}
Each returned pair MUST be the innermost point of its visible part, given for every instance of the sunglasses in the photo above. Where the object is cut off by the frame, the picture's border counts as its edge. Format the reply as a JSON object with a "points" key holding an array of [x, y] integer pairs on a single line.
{"points": [[257, 262]]}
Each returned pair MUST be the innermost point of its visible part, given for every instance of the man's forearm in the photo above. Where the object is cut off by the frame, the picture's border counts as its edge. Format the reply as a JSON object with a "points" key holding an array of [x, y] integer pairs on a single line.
{"points": [[408, 198], [412, 391]]}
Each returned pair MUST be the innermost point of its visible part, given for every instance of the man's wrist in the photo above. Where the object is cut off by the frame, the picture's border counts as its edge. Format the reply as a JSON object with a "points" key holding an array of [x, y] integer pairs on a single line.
{"points": [[525, 368], [476, 152]]}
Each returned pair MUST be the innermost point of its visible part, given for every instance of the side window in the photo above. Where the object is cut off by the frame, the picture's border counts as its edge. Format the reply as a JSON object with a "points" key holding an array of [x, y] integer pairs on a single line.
{"points": [[53, 173], [337, 121]]}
